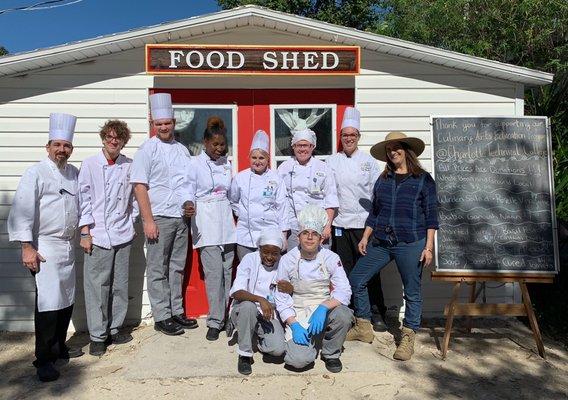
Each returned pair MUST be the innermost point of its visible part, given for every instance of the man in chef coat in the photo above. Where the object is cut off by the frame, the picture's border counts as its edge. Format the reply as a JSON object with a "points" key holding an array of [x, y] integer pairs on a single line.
{"points": [[316, 313], [107, 230], [163, 192], [43, 218]]}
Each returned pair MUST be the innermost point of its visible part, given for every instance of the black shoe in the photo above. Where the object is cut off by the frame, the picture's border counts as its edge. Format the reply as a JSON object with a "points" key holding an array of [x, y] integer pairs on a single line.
{"points": [[212, 334], [244, 365], [333, 365], [168, 327], [47, 373], [119, 338], [97, 349], [379, 324], [186, 323], [71, 352]]}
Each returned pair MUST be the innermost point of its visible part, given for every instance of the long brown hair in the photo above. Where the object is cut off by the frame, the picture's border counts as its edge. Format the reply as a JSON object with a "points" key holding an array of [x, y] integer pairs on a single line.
{"points": [[412, 164]]}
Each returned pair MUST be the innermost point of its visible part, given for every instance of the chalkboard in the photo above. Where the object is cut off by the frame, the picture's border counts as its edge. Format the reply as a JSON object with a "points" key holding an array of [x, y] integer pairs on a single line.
{"points": [[495, 194]]}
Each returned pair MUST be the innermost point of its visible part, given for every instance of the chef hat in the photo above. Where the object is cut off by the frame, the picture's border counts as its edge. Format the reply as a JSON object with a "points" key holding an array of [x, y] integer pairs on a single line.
{"points": [[312, 217], [271, 236], [305, 134], [260, 141], [161, 106], [61, 126], [351, 118]]}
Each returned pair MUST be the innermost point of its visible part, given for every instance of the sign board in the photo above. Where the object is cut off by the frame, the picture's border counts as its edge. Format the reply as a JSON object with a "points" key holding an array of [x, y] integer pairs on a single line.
{"points": [[264, 60], [495, 194]]}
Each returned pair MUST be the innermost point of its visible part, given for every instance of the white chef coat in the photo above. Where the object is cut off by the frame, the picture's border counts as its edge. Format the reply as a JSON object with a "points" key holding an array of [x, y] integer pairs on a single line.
{"points": [[213, 222], [311, 270], [355, 178], [312, 183], [163, 167], [107, 200], [259, 201], [45, 211], [254, 277]]}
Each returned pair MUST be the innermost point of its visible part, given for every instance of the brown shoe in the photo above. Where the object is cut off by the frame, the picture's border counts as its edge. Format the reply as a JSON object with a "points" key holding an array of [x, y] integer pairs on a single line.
{"points": [[362, 331], [405, 348]]}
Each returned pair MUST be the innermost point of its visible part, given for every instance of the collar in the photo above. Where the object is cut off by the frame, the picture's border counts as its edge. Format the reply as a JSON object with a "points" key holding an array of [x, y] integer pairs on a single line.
{"points": [[54, 166], [101, 158], [308, 164]]}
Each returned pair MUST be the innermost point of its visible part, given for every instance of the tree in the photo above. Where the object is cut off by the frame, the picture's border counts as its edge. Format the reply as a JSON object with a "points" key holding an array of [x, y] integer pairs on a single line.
{"points": [[3, 51]]}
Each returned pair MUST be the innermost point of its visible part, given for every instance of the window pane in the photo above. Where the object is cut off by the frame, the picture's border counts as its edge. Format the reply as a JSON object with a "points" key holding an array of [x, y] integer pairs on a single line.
{"points": [[191, 123], [320, 120]]}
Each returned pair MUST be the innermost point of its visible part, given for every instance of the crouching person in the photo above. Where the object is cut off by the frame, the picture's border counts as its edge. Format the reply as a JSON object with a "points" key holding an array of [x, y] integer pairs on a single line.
{"points": [[316, 313], [253, 311]]}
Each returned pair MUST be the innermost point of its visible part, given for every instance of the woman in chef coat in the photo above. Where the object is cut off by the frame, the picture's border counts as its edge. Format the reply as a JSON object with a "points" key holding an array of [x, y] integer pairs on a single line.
{"points": [[258, 197], [212, 227]]}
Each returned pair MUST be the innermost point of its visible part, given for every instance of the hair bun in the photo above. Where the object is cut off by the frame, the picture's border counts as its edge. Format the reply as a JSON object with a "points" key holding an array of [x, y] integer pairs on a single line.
{"points": [[215, 123]]}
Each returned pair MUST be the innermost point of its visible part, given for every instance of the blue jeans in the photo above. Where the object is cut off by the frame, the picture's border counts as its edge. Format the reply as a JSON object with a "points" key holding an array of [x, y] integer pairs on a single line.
{"points": [[379, 254]]}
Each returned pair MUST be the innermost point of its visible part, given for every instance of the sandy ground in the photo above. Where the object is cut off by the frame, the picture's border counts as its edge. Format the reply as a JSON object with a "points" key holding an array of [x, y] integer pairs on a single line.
{"points": [[496, 361]]}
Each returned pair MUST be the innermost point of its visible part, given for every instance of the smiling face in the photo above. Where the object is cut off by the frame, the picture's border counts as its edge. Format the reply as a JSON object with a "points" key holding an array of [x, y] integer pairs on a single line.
{"points": [[113, 144], [396, 154], [258, 161], [309, 240], [59, 151], [269, 255], [349, 139], [216, 146], [164, 128], [303, 151]]}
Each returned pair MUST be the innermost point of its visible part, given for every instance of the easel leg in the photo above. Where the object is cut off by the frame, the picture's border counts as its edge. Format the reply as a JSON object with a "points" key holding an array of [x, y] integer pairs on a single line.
{"points": [[450, 319], [532, 319], [472, 298]]}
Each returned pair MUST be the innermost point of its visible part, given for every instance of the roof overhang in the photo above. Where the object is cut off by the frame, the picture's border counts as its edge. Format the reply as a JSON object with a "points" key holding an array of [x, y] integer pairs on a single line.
{"points": [[251, 15]]}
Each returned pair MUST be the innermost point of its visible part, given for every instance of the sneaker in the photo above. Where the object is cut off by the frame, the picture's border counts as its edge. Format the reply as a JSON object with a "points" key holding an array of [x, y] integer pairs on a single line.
{"points": [[186, 323], [120, 338], [379, 324], [212, 334], [71, 352], [97, 349], [333, 364], [168, 327], [405, 348], [362, 331], [244, 365], [47, 373]]}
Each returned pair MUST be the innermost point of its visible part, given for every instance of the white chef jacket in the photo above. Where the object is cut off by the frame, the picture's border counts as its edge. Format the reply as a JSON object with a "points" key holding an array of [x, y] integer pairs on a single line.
{"points": [[312, 183], [107, 200], [254, 277], [355, 178], [163, 167], [311, 270], [259, 201]]}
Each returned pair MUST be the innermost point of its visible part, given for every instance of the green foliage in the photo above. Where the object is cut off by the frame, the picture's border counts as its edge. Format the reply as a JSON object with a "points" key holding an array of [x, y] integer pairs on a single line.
{"points": [[3, 51]]}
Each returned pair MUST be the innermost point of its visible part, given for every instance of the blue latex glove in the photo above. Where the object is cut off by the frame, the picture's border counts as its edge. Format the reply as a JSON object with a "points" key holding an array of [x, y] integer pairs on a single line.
{"points": [[317, 320], [299, 334]]}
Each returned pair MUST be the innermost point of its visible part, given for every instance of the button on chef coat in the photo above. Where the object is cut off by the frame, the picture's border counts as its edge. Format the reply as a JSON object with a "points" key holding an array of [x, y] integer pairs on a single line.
{"points": [[312, 183], [259, 202], [163, 166], [311, 270], [107, 200], [355, 178], [254, 277]]}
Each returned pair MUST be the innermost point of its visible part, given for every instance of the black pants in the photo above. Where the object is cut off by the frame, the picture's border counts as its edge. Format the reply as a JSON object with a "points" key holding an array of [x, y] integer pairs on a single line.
{"points": [[345, 245], [50, 334]]}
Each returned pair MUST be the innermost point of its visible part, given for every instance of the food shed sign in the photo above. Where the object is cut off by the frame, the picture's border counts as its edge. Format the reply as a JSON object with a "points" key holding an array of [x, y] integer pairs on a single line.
{"points": [[253, 60]]}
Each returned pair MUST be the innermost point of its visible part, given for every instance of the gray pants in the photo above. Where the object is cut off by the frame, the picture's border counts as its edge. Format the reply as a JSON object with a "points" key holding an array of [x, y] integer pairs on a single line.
{"points": [[244, 250], [217, 262], [247, 319], [165, 259], [293, 241], [105, 281], [339, 321]]}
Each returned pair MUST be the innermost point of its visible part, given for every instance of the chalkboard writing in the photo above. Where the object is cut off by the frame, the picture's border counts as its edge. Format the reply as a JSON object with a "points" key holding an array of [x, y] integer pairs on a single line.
{"points": [[495, 196]]}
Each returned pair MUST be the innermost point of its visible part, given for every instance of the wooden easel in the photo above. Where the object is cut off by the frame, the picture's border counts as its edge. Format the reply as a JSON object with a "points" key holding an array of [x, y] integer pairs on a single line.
{"points": [[473, 309]]}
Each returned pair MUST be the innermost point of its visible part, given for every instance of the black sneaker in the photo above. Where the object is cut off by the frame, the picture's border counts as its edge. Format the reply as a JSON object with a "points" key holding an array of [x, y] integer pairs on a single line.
{"points": [[212, 334], [379, 324], [119, 338], [186, 323], [244, 365], [168, 327], [333, 365], [47, 373], [97, 349], [71, 352]]}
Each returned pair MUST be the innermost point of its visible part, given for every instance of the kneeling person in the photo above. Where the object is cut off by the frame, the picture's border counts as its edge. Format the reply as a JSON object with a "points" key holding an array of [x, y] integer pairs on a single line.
{"points": [[254, 311], [316, 313]]}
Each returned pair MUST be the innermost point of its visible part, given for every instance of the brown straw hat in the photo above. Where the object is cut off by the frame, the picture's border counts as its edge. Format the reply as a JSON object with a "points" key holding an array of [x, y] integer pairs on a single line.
{"points": [[379, 150]]}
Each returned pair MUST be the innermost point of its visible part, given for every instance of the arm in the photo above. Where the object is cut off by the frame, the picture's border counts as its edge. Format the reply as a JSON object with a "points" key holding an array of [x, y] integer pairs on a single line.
{"points": [[235, 195], [86, 208], [430, 209], [284, 302], [150, 227]]}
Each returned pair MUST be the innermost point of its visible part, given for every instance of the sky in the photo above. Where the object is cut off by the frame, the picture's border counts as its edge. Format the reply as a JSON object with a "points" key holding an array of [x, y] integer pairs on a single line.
{"points": [[84, 19]]}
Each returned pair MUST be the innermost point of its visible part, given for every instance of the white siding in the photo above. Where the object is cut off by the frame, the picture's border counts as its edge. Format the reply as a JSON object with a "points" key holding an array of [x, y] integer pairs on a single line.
{"points": [[392, 93]]}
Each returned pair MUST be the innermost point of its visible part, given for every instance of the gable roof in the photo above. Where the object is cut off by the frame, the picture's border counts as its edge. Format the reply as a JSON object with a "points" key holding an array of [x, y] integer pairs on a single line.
{"points": [[252, 15]]}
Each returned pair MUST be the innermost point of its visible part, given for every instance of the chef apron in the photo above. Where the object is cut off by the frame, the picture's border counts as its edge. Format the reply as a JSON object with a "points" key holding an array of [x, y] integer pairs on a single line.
{"points": [[213, 223], [308, 294]]}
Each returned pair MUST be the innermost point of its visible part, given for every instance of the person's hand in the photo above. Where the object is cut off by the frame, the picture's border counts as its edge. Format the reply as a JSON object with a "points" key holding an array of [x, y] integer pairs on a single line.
{"points": [[188, 209], [151, 230], [300, 334], [362, 246], [285, 287], [317, 320], [426, 257], [326, 234], [267, 309], [30, 257], [87, 244]]}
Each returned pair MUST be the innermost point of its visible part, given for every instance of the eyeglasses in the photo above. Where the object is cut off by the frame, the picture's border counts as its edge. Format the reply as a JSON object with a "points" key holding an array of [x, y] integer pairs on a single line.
{"points": [[350, 136], [303, 145], [112, 139]]}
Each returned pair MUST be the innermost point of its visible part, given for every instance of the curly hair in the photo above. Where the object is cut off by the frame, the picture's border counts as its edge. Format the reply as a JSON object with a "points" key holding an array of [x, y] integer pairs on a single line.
{"points": [[215, 126], [120, 128]]}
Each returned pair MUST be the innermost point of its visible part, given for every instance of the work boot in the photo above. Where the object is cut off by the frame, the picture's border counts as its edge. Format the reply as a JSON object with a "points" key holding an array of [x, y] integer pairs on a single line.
{"points": [[405, 348], [244, 365], [362, 331]]}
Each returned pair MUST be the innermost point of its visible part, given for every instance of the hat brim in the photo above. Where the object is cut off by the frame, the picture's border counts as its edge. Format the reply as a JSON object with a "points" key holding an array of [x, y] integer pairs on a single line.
{"points": [[379, 151]]}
